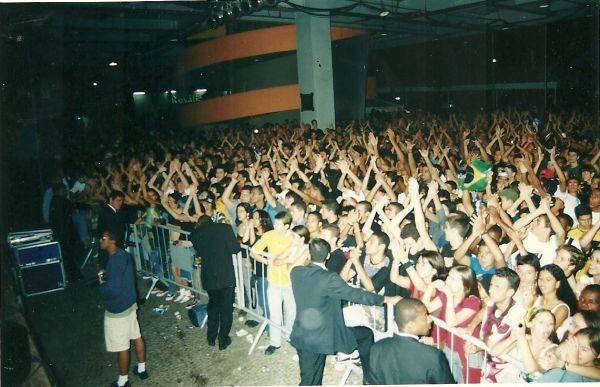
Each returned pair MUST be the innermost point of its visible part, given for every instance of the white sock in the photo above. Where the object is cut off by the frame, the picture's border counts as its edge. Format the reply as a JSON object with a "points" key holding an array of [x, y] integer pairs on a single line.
{"points": [[141, 367], [122, 380]]}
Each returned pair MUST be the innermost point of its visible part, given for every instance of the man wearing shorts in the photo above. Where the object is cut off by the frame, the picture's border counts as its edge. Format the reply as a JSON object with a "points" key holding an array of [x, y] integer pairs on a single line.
{"points": [[120, 318]]}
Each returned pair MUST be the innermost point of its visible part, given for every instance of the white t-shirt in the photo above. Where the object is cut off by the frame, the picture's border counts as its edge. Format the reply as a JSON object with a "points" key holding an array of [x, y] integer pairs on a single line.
{"points": [[514, 316], [570, 203], [545, 250]]}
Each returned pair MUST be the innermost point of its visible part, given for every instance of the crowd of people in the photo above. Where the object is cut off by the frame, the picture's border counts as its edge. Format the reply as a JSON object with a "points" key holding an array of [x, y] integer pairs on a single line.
{"points": [[491, 221]]}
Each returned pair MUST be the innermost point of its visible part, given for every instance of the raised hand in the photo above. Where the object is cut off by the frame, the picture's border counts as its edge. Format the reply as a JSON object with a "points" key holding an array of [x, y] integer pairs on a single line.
{"points": [[525, 190], [478, 223], [493, 201], [391, 135], [293, 164], [413, 187], [251, 171], [545, 204], [433, 186]]}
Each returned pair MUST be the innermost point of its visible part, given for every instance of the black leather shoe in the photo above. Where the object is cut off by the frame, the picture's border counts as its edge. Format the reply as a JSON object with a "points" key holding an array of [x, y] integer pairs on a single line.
{"points": [[271, 350], [211, 342], [224, 343], [142, 375]]}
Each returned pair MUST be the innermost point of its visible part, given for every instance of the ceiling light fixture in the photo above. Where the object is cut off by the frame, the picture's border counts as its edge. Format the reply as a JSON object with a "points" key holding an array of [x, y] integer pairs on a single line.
{"points": [[384, 13], [228, 11], [139, 93], [112, 64]]}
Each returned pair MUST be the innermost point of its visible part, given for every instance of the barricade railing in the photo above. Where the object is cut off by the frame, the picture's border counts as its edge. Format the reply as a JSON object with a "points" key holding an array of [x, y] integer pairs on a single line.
{"points": [[251, 292], [457, 346], [166, 253]]}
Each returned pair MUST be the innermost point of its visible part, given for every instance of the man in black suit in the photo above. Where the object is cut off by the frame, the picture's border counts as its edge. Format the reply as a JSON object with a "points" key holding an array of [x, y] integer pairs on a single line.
{"points": [[402, 359], [215, 243], [110, 219], [319, 329]]}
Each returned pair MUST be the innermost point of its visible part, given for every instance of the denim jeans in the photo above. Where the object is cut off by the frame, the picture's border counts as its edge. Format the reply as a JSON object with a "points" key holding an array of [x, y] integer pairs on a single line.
{"points": [[81, 225]]}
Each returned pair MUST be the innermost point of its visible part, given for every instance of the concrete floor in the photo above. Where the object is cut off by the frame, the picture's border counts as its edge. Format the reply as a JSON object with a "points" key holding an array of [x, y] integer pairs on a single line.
{"points": [[69, 324]]}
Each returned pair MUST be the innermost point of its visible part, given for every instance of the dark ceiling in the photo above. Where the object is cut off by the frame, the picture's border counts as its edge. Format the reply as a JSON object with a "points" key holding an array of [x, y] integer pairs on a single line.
{"points": [[154, 30]]}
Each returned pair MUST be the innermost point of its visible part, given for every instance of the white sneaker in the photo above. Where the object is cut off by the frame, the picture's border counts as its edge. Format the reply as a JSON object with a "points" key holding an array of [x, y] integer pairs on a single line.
{"points": [[187, 296], [181, 296], [345, 357]]}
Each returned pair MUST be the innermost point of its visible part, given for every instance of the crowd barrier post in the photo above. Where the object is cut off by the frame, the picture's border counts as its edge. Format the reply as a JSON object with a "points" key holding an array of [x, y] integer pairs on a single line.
{"points": [[472, 340]]}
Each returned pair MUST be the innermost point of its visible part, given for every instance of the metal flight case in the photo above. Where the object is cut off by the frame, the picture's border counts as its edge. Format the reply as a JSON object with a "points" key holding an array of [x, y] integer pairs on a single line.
{"points": [[38, 262]]}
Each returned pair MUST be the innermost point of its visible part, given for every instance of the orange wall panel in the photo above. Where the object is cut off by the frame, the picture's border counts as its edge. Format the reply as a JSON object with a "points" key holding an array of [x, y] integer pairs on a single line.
{"points": [[251, 103], [248, 44]]}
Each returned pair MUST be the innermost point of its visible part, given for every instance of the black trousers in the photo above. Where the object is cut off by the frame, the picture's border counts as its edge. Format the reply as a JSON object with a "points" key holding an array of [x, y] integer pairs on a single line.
{"points": [[311, 367], [365, 339], [220, 313]]}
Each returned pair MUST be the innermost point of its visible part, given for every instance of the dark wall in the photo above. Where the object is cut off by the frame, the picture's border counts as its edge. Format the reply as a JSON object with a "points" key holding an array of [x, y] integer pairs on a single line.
{"points": [[350, 58], [558, 52]]}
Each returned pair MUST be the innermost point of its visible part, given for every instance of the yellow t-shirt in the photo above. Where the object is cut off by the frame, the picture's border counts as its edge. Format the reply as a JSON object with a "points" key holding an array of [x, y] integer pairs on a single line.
{"points": [[276, 244], [576, 233]]}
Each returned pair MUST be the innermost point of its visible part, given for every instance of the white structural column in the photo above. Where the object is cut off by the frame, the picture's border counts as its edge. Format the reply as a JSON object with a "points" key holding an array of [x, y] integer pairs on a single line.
{"points": [[315, 70]]}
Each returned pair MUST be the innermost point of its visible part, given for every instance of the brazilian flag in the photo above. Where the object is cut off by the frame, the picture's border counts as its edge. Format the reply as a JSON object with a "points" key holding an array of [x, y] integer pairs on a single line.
{"points": [[474, 176]]}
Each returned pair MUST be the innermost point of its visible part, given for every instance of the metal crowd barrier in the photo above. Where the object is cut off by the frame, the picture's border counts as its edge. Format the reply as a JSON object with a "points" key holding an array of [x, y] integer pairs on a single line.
{"points": [[158, 249], [166, 254], [440, 325]]}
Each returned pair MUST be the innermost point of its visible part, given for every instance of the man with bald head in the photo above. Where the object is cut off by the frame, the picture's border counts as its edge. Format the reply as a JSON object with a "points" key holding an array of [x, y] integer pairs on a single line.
{"points": [[319, 328], [403, 359]]}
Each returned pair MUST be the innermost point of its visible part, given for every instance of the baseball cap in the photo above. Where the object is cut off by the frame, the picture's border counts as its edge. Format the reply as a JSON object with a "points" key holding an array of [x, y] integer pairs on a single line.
{"points": [[547, 173], [510, 193]]}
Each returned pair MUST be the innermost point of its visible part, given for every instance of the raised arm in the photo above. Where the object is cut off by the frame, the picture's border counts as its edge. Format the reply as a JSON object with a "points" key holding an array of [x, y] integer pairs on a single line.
{"points": [[364, 278], [588, 237], [460, 255], [562, 180], [413, 191], [226, 197]]}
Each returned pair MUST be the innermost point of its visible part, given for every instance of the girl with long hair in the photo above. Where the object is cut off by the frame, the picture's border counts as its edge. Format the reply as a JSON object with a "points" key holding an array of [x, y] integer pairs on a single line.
{"points": [[456, 301], [428, 268], [527, 343], [555, 294], [245, 225]]}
